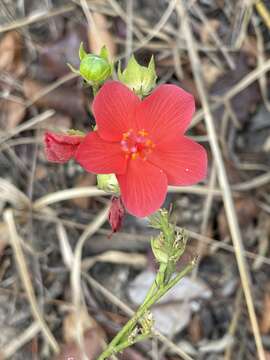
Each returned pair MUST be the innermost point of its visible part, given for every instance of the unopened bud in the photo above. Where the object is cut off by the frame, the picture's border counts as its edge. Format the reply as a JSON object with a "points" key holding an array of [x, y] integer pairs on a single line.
{"points": [[116, 214], [140, 79], [60, 148], [108, 183], [94, 69], [159, 249]]}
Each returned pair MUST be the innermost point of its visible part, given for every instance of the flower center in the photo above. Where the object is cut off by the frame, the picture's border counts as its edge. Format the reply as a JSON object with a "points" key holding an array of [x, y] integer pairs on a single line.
{"points": [[136, 144]]}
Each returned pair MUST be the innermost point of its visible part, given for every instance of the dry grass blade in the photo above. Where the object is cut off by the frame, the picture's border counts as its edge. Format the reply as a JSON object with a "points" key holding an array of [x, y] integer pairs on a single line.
{"points": [[254, 183], [28, 125], [26, 279], [129, 37], [36, 17], [75, 276], [67, 195], [91, 191], [240, 86], [261, 58], [65, 248], [117, 257], [263, 11], [156, 29], [18, 342], [206, 214], [221, 245], [222, 177], [10, 194], [47, 89], [196, 189], [98, 33], [214, 36]]}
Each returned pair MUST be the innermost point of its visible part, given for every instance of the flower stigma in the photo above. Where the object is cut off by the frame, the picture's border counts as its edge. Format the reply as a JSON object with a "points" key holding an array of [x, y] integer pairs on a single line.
{"points": [[136, 144]]}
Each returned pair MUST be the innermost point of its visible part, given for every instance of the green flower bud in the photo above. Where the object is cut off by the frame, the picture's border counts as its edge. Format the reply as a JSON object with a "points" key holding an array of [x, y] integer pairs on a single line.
{"points": [[94, 69], [108, 183], [140, 79]]}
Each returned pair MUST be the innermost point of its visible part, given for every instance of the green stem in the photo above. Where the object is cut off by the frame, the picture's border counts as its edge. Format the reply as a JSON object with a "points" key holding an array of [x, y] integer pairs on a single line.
{"points": [[153, 295], [128, 343], [128, 327], [95, 89]]}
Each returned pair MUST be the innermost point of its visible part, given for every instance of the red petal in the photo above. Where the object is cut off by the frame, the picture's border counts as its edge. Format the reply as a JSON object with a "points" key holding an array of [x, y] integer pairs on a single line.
{"points": [[166, 112], [143, 188], [114, 110], [100, 157], [183, 160], [60, 148]]}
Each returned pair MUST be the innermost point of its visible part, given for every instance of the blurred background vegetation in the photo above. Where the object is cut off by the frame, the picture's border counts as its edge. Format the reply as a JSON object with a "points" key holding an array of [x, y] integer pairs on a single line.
{"points": [[58, 265]]}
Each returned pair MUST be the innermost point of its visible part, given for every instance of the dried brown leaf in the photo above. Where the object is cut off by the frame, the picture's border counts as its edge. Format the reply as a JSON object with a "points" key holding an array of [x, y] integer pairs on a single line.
{"points": [[69, 324], [12, 114], [265, 319], [94, 337], [206, 30], [93, 344], [101, 35], [195, 329], [10, 53], [212, 72]]}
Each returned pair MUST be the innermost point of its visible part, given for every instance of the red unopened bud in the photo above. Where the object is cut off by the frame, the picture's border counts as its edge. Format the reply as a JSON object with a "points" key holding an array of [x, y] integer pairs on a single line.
{"points": [[60, 148], [116, 214]]}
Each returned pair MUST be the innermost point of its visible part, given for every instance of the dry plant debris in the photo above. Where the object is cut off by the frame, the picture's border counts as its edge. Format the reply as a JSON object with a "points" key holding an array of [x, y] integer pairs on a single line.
{"points": [[56, 257]]}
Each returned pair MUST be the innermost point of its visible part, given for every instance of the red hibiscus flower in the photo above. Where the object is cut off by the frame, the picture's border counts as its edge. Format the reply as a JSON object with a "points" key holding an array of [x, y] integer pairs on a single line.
{"points": [[143, 143], [60, 148]]}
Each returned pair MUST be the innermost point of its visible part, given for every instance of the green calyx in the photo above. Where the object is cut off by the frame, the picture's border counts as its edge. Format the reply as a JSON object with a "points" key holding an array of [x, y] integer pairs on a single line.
{"points": [[108, 183], [140, 79], [75, 132], [170, 244], [94, 69]]}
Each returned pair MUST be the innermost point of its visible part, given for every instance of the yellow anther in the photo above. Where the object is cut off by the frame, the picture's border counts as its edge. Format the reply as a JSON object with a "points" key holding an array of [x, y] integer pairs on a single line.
{"points": [[134, 156], [143, 133]]}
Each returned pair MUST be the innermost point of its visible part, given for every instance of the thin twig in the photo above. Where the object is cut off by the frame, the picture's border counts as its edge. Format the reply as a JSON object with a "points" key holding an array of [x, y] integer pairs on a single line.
{"points": [[207, 210], [26, 280], [233, 91], [28, 125], [36, 17], [18, 342], [129, 34], [214, 36]]}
